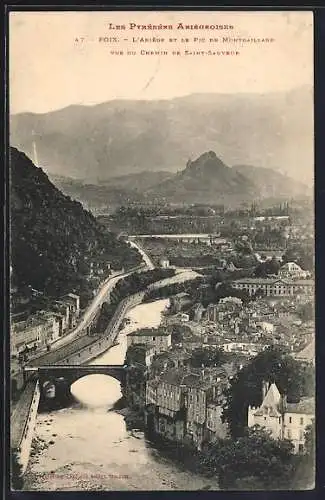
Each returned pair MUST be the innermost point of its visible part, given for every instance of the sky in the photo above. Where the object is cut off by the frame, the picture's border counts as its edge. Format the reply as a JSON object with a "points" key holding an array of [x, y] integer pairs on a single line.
{"points": [[50, 67]]}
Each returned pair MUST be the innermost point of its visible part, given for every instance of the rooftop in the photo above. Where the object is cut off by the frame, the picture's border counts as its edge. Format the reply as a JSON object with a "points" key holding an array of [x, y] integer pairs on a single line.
{"points": [[272, 398], [194, 378], [290, 266], [308, 353], [72, 295], [181, 295], [271, 281], [26, 325], [305, 406]]}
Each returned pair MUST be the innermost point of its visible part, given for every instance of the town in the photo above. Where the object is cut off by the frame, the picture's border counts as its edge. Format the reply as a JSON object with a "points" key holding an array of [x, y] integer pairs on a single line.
{"points": [[239, 303], [161, 272], [191, 358]]}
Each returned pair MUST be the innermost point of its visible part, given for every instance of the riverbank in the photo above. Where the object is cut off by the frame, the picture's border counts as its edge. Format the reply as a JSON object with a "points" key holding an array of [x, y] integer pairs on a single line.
{"points": [[92, 447]]}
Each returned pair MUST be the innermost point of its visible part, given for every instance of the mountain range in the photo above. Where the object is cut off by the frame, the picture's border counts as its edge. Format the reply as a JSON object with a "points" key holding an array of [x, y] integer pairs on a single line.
{"points": [[205, 180], [96, 143]]}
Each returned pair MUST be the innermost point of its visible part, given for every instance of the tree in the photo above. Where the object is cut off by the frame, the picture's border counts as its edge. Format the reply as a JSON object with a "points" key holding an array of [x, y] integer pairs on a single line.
{"points": [[302, 254], [264, 269], [254, 459], [306, 311], [207, 357], [273, 365], [310, 439], [304, 473]]}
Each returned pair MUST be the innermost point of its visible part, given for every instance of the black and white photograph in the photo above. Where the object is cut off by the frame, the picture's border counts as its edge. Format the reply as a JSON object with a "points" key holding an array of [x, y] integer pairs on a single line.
{"points": [[162, 281]]}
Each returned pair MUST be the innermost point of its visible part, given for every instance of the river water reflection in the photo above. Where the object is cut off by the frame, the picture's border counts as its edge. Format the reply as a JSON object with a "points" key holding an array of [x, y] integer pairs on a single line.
{"points": [[87, 446]]}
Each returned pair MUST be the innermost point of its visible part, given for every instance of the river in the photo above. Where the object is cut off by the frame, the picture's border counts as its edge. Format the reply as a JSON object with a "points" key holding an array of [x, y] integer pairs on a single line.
{"points": [[87, 446]]}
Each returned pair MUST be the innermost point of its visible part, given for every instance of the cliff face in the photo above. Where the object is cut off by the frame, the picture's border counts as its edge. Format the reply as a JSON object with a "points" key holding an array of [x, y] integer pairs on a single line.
{"points": [[55, 243]]}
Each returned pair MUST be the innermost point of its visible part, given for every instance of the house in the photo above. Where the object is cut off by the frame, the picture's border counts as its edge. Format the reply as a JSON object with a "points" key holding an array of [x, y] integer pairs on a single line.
{"points": [[203, 400], [64, 309], [157, 338], [275, 287], [30, 334], [73, 299], [292, 270], [170, 393], [231, 300], [73, 302], [152, 391], [308, 354], [215, 426], [164, 262], [223, 310], [60, 318], [51, 325], [140, 354], [198, 311], [24, 336], [284, 420], [248, 348]]}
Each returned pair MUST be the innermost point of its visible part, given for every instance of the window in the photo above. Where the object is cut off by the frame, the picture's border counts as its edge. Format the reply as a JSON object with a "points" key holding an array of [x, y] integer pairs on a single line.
{"points": [[290, 420], [301, 448], [289, 434], [302, 421], [153, 338]]}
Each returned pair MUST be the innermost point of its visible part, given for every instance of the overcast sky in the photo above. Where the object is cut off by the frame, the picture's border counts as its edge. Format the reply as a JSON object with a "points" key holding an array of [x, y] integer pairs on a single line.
{"points": [[49, 70]]}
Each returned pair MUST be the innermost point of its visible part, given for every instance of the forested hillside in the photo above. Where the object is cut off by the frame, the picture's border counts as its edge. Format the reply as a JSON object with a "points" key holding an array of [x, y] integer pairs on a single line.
{"points": [[56, 245]]}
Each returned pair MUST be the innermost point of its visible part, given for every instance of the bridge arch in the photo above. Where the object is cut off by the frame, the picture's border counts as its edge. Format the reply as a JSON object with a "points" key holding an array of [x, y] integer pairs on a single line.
{"points": [[70, 374]]}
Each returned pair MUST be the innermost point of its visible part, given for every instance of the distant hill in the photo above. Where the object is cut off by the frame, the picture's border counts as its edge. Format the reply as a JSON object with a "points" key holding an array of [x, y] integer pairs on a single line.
{"points": [[138, 182], [209, 180], [54, 241], [106, 197], [206, 180], [272, 184], [121, 137]]}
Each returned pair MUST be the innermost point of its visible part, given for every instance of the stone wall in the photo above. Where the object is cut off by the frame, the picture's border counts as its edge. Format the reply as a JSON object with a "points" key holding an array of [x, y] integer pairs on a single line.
{"points": [[24, 448]]}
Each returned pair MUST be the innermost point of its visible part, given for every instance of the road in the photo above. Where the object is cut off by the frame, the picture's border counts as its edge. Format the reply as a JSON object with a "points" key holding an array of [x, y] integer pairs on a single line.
{"points": [[101, 296], [145, 256], [91, 310]]}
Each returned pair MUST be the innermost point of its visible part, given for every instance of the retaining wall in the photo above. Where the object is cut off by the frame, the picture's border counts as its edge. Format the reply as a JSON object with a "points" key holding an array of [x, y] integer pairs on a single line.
{"points": [[24, 441]]}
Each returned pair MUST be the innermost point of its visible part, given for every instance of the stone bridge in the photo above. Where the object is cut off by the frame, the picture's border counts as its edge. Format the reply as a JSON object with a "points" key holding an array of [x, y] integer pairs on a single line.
{"points": [[54, 376]]}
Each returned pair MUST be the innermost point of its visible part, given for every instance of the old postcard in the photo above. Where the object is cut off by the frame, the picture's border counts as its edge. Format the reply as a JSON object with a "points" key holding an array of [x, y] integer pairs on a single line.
{"points": [[161, 250]]}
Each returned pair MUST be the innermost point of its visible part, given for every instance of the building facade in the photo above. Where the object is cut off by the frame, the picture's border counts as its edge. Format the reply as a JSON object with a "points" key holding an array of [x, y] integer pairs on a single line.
{"points": [[284, 420], [159, 340], [275, 287], [292, 270]]}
